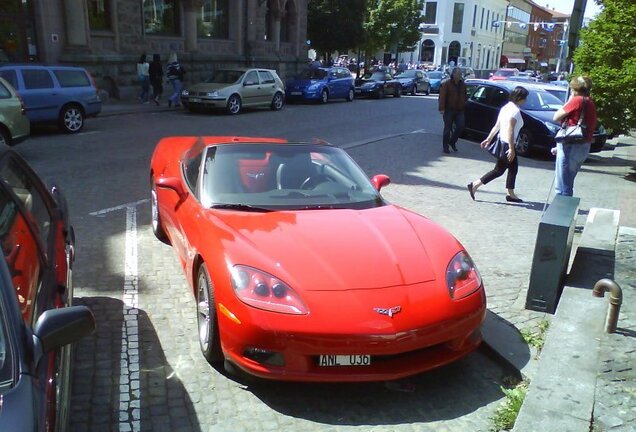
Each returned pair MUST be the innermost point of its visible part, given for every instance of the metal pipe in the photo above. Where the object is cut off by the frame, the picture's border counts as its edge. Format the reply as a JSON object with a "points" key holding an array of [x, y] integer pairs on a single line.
{"points": [[615, 301]]}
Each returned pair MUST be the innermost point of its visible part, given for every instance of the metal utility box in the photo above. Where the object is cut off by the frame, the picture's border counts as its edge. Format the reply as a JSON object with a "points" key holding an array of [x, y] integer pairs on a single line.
{"points": [[552, 254]]}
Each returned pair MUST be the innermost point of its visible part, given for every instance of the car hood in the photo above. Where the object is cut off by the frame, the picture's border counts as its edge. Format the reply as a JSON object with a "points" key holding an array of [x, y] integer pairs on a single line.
{"points": [[331, 250], [545, 116]]}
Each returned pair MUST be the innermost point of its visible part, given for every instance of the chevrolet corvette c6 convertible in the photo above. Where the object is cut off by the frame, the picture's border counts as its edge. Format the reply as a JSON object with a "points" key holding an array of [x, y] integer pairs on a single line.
{"points": [[302, 271]]}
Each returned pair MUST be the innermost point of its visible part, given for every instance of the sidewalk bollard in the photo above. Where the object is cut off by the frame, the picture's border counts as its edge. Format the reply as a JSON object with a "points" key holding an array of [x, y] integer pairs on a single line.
{"points": [[615, 301]]}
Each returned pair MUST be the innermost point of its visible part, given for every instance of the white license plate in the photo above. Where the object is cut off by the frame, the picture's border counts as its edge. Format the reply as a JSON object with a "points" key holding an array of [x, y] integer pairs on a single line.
{"points": [[195, 100], [296, 93], [345, 360]]}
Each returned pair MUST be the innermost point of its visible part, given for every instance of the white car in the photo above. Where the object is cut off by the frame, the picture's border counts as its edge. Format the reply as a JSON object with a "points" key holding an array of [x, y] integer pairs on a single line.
{"points": [[235, 89]]}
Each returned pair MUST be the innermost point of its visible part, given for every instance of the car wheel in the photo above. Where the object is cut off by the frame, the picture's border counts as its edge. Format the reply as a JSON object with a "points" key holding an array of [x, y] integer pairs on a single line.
{"points": [[277, 102], [351, 95], [234, 104], [397, 92], [157, 226], [207, 321], [71, 119], [380, 93], [414, 90], [428, 90], [324, 96], [523, 142], [5, 139]]}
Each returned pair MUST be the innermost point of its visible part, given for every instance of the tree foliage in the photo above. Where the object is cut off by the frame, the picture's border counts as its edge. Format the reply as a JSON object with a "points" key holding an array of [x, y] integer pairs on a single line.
{"points": [[336, 25], [393, 24], [607, 54]]}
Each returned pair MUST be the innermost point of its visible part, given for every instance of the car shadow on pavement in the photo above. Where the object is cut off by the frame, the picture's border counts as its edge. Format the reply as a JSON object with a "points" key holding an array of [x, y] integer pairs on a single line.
{"points": [[100, 386], [453, 391]]}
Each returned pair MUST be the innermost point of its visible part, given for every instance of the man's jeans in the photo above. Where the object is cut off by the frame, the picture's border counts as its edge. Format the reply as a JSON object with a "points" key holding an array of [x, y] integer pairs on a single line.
{"points": [[453, 126], [569, 159]]}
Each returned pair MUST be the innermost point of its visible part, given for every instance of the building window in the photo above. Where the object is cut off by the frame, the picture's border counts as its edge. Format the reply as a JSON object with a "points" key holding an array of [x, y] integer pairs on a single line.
{"points": [[474, 16], [430, 13], [11, 6], [481, 25], [99, 14], [160, 17], [487, 19], [213, 20], [458, 17]]}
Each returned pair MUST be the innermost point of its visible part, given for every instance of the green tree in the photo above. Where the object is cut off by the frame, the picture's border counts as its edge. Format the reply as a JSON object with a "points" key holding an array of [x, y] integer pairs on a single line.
{"points": [[607, 54], [393, 24], [335, 25]]}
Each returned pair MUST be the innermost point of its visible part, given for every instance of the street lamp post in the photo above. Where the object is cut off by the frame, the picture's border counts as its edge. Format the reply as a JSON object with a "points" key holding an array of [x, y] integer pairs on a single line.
{"points": [[503, 37]]}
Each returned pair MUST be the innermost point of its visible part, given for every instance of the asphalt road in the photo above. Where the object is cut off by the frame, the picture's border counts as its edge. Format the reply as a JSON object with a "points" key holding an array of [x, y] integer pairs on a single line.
{"points": [[143, 370]]}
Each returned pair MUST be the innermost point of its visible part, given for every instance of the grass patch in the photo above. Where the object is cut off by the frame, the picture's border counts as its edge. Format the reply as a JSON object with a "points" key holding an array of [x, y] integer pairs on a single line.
{"points": [[506, 415], [536, 339]]}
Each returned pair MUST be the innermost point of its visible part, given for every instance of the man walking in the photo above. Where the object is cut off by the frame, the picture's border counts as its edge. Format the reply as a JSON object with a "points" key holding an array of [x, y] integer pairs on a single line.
{"points": [[452, 101]]}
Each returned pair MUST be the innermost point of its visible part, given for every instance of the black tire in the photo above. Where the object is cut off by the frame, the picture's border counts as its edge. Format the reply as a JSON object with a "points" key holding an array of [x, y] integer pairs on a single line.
{"points": [[71, 119], [522, 147], [324, 96], [380, 93], [428, 90], [414, 90], [234, 104], [157, 225], [207, 320], [5, 138], [278, 101], [397, 92], [351, 95]]}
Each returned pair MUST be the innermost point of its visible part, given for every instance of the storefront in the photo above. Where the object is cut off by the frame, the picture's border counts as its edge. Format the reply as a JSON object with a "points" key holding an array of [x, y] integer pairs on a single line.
{"points": [[17, 34]]}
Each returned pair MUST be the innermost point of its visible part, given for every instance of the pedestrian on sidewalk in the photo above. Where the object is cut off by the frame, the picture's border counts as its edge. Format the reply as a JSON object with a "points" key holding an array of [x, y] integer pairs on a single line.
{"points": [[570, 156], [452, 101], [509, 123], [144, 79], [156, 78], [175, 72]]}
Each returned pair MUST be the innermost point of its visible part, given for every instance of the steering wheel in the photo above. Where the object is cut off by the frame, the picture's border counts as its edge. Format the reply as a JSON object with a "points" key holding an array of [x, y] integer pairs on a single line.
{"points": [[313, 181]]}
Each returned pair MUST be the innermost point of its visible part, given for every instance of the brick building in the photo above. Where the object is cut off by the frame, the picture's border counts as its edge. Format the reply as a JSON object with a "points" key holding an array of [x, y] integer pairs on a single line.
{"points": [[108, 36]]}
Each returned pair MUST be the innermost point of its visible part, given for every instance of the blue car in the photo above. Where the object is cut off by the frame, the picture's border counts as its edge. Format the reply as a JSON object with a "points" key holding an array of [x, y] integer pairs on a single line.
{"points": [[65, 95], [435, 79], [321, 84]]}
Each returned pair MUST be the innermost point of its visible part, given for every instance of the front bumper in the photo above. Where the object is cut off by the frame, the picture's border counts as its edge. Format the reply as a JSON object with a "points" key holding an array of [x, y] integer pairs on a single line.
{"points": [[203, 102]]}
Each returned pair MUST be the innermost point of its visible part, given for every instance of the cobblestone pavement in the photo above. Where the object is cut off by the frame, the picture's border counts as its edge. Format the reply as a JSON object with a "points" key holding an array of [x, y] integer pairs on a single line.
{"points": [[166, 385]]}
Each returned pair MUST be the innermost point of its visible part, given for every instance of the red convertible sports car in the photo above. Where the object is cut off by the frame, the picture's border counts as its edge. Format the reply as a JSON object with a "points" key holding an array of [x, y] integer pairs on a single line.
{"points": [[302, 271]]}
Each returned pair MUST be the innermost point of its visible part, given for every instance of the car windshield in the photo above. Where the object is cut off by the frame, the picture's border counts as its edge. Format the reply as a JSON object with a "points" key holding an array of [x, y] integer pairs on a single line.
{"points": [[267, 176], [560, 92], [435, 75], [542, 101], [226, 77], [375, 76], [312, 74], [407, 74]]}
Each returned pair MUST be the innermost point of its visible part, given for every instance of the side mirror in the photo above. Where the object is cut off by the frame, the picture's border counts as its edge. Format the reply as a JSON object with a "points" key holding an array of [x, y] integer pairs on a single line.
{"points": [[380, 180], [172, 183], [58, 327]]}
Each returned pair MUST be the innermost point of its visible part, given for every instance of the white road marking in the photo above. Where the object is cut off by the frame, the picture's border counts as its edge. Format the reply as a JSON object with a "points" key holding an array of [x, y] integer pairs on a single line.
{"points": [[380, 138], [129, 379]]}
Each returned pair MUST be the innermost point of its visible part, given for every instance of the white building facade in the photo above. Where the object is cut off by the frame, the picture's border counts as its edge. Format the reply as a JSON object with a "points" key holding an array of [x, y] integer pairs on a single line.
{"points": [[461, 32]]}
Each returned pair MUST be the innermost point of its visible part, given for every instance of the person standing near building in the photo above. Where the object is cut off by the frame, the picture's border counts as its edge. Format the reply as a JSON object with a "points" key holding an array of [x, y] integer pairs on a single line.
{"points": [[570, 156], [452, 101], [144, 79], [175, 72], [156, 77]]}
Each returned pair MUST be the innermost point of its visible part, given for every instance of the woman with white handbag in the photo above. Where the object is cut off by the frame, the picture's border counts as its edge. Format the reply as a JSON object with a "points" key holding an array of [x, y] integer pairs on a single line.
{"points": [[579, 118]]}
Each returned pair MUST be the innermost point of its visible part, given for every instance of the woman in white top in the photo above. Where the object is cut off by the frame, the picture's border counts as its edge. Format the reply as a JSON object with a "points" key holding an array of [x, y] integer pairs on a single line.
{"points": [[144, 78], [509, 123]]}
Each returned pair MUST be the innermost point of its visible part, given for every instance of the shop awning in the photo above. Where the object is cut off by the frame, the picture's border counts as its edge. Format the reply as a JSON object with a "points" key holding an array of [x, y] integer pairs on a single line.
{"points": [[516, 60]]}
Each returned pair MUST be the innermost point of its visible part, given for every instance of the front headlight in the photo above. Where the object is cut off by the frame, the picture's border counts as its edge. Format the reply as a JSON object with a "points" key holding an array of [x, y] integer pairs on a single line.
{"points": [[462, 277], [553, 128], [264, 291], [185, 93]]}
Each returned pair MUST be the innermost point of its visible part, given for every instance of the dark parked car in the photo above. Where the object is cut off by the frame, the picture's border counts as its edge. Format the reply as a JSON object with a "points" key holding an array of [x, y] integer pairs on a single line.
{"points": [[65, 95], [378, 84], [37, 321], [414, 81], [321, 84]]}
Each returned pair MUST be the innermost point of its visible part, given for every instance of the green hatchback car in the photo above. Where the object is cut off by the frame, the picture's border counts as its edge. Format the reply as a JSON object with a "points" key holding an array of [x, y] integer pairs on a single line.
{"points": [[14, 124]]}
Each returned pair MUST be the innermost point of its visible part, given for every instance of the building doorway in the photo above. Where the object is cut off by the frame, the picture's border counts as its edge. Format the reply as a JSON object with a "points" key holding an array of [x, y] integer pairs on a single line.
{"points": [[17, 37], [427, 54]]}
